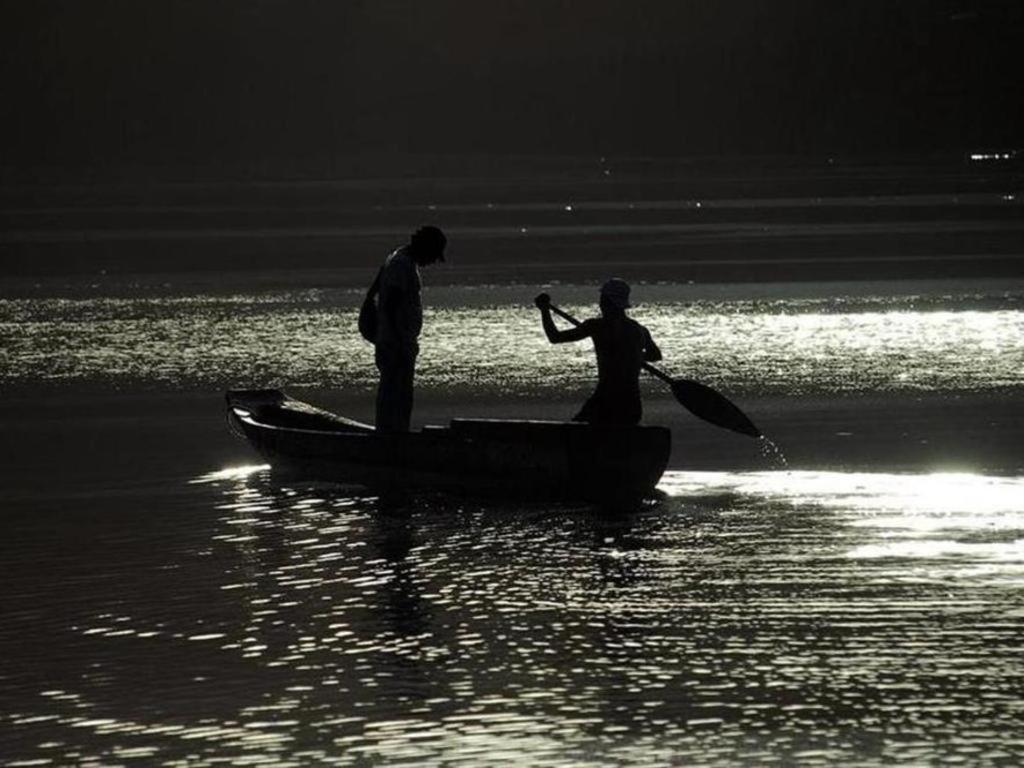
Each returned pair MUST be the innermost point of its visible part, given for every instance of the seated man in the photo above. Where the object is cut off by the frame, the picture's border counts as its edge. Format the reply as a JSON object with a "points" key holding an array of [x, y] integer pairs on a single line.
{"points": [[622, 346]]}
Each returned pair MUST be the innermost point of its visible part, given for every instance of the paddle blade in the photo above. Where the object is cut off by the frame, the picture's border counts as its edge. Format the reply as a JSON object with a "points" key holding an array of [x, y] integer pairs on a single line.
{"points": [[705, 403]]}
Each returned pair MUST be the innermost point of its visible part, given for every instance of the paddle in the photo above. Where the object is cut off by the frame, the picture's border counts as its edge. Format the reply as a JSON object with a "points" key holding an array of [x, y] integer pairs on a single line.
{"points": [[699, 399]]}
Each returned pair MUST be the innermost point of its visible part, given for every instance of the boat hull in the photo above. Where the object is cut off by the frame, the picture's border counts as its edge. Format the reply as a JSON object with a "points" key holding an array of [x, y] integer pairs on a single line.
{"points": [[520, 459]]}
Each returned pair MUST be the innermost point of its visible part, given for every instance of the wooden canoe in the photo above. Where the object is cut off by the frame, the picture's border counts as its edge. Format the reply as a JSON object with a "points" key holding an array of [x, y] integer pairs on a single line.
{"points": [[514, 459]]}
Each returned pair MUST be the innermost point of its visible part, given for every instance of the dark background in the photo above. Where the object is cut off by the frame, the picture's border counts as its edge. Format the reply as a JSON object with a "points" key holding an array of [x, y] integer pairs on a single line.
{"points": [[105, 83]]}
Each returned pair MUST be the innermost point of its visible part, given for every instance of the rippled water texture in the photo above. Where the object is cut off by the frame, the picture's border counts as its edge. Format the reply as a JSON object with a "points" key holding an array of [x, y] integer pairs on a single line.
{"points": [[954, 339], [746, 618]]}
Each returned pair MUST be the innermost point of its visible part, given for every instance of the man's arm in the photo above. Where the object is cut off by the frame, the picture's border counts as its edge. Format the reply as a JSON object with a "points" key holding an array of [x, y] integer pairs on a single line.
{"points": [[402, 307], [555, 336], [651, 352], [396, 310]]}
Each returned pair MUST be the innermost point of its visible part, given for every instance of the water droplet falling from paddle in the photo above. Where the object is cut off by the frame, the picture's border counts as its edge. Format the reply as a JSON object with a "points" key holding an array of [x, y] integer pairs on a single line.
{"points": [[771, 451]]}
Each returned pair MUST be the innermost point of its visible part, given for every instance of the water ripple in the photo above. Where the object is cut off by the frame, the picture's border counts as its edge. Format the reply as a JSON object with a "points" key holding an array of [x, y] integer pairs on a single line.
{"points": [[766, 617]]}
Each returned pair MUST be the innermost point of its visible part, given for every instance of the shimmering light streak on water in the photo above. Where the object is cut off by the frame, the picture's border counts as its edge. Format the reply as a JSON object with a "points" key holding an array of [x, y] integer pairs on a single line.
{"points": [[231, 473], [745, 618], [976, 519], [934, 496], [794, 345]]}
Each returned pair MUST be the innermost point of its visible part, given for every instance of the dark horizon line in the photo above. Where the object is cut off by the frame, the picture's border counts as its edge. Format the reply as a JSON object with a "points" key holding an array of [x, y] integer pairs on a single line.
{"points": [[369, 164]]}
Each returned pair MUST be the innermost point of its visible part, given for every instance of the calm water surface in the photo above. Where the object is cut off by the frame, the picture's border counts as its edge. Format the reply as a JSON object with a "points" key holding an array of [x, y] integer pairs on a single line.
{"points": [[745, 618]]}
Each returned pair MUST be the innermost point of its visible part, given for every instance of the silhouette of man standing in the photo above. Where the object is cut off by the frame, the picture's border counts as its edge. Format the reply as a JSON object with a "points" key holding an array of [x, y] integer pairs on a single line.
{"points": [[399, 321], [622, 346]]}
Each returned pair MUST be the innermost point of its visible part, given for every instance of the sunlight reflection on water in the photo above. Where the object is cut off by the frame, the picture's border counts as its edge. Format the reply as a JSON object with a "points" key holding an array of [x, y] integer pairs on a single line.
{"points": [[308, 339], [753, 617], [969, 520]]}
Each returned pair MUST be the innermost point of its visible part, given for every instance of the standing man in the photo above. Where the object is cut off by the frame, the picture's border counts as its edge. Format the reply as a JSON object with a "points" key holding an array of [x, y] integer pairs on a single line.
{"points": [[399, 320]]}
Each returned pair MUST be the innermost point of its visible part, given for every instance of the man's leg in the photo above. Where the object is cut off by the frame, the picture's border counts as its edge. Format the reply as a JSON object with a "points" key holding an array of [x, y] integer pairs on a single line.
{"points": [[403, 392], [385, 421], [394, 393]]}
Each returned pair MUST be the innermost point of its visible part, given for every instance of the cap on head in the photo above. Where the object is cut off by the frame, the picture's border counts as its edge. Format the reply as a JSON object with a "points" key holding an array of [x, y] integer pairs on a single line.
{"points": [[616, 293], [429, 239]]}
